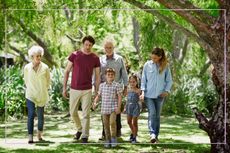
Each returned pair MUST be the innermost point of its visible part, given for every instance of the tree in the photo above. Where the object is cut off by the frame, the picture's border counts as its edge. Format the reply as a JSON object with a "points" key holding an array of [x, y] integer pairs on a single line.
{"points": [[213, 34]]}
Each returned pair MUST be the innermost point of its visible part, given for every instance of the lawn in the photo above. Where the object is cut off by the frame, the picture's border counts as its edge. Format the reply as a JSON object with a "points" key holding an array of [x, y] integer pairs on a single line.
{"points": [[178, 134]]}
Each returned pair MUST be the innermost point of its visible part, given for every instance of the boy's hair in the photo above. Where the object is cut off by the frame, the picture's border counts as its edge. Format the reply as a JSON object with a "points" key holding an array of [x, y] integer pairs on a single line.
{"points": [[110, 70], [89, 38]]}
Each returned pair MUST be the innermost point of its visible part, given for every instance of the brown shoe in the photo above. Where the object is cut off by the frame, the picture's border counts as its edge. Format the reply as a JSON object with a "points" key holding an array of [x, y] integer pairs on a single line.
{"points": [[153, 140], [77, 135], [84, 140]]}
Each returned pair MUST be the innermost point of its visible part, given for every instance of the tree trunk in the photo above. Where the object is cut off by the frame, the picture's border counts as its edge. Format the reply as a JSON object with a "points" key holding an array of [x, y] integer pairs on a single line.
{"points": [[47, 56], [219, 125], [136, 37]]}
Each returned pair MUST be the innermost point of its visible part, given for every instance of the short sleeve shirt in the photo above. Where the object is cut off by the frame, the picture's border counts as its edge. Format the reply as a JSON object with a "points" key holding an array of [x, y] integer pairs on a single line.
{"points": [[109, 94], [83, 65]]}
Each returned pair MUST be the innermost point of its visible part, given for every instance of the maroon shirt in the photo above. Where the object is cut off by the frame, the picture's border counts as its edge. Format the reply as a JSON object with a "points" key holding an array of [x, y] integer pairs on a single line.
{"points": [[82, 71]]}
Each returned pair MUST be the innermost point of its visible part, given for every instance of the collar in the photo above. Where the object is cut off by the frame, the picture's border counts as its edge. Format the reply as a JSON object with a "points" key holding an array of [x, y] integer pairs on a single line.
{"points": [[107, 58], [109, 83], [115, 56]]}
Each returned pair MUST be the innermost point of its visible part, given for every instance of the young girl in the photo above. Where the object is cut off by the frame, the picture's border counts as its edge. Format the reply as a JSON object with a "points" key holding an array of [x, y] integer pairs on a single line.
{"points": [[132, 107]]}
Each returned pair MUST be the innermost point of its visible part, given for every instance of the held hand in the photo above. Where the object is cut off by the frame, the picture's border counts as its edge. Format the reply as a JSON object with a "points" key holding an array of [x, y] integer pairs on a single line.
{"points": [[142, 97], [125, 91], [118, 111], [164, 94], [94, 105], [124, 111]]}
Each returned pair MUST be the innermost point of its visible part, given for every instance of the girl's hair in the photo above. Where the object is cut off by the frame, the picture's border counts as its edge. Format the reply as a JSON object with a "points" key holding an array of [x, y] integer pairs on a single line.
{"points": [[133, 76], [163, 61]]}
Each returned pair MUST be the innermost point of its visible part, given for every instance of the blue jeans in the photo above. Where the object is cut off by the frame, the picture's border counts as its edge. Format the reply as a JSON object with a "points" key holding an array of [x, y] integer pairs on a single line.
{"points": [[31, 115], [154, 110]]}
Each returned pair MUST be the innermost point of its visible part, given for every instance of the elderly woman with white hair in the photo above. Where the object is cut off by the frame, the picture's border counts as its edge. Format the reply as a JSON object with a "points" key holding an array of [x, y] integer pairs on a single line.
{"points": [[37, 81]]}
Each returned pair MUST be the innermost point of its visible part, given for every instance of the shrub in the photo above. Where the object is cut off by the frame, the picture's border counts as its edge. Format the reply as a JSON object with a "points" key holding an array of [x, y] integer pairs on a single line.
{"points": [[57, 102], [12, 92]]}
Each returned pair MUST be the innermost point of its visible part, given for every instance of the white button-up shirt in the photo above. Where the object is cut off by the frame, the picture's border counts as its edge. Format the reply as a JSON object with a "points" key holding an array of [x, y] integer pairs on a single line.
{"points": [[37, 83]]}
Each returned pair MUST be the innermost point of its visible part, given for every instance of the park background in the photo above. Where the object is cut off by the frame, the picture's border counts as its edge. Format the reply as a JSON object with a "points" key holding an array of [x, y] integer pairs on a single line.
{"points": [[189, 31]]}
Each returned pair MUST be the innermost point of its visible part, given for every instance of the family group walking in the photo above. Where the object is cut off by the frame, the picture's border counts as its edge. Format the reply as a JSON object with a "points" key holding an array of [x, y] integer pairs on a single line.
{"points": [[108, 75]]}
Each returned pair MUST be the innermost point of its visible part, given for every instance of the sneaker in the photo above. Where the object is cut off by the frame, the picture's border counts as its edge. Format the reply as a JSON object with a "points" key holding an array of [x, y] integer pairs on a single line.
{"points": [[131, 137], [84, 140], [107, 144], [153, 138], [118, 133], [30, 136], [113, 142], [134, 140], [77, 135]]}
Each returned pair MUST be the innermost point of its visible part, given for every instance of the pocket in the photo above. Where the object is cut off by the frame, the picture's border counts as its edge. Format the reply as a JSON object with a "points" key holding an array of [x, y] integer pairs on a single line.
{"points": [[150, 74]]}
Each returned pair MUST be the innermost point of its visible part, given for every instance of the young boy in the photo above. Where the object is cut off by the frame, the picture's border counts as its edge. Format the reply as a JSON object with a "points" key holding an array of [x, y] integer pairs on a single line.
{"points": [[110, 92]]}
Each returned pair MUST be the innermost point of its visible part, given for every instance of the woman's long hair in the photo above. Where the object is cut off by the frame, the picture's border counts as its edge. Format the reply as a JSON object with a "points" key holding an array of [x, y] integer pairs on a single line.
{"points": [[163, 61]]}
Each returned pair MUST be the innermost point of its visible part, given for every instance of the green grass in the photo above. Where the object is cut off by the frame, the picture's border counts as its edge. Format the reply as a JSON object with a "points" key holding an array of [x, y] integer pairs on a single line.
{"points": [[178, 134]]}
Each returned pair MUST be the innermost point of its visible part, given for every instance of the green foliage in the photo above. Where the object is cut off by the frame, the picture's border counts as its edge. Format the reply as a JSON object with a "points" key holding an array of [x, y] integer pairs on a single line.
{"points": [[208, 4], [190, 88], [2, 28], [57, 102], [53, 22], [154, 33], [192, 93], [206, 97], [12, 92], [12, 95]]}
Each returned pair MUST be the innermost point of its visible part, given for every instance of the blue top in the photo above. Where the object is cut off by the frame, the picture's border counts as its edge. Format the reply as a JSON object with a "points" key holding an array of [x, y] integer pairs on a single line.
{"points": [[132, 97], [154, 83]]}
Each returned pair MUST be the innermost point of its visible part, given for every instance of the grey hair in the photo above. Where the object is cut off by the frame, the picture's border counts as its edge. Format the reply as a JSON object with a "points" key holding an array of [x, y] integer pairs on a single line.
{"points": [[35, 50], [108, 40]]}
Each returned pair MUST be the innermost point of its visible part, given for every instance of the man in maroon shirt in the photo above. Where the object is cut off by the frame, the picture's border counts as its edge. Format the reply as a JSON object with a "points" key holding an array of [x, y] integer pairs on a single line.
{"points": [[82, 63]]}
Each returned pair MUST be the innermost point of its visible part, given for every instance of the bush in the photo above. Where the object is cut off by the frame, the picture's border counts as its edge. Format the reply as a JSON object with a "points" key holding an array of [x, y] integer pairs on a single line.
{"points": [[12, 92], [12, 95], [57, 102], [192, 92]]}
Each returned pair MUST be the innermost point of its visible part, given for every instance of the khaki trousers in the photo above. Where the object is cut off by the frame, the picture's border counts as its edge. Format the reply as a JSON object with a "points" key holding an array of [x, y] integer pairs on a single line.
{"points": [[109, 120], [83, 96]]}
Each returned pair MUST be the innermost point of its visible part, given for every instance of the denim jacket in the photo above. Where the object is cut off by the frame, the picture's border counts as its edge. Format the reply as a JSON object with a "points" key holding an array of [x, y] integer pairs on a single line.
{"points": [[154, 83]]}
